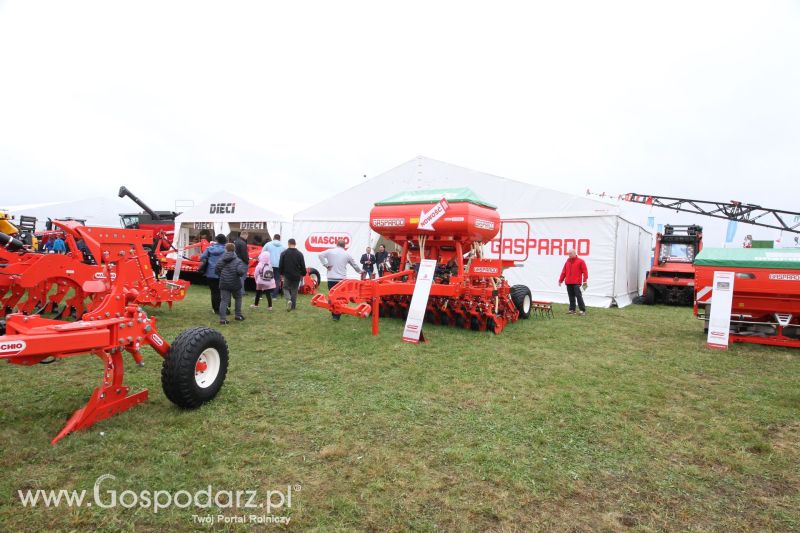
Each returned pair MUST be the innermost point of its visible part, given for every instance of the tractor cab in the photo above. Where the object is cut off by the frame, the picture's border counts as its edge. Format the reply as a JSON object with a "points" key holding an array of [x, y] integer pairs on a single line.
{"points": [[671, 278]]}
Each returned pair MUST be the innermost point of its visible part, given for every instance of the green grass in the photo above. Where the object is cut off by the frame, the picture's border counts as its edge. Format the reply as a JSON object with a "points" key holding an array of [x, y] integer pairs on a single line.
{"points": [[620, 419]]}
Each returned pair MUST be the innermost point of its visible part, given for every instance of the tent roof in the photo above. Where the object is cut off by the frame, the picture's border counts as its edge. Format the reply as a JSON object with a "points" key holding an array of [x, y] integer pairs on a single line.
{"points": [[513, 198], [243, 211], [96, 211]]}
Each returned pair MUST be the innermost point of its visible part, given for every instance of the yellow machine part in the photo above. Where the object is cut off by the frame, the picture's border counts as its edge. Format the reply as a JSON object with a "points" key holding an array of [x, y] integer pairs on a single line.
{"points": [[10, 229]]}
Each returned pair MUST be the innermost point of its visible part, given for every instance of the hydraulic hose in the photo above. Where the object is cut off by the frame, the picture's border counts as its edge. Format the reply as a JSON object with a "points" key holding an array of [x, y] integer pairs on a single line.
{"points": [[10, 243]]}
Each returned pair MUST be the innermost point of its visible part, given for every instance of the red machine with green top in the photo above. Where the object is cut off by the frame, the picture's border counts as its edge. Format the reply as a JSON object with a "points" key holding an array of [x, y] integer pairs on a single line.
{"points": [[766, 292], [450, 227]]}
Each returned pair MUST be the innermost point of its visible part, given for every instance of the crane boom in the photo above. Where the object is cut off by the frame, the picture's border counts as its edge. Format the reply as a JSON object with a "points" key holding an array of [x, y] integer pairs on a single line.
{"points": [[747, 213]]}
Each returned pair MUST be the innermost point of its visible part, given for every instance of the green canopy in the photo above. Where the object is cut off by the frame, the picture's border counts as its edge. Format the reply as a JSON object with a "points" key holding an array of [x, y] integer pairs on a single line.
{"points": [[749, 257], [432, 196]]}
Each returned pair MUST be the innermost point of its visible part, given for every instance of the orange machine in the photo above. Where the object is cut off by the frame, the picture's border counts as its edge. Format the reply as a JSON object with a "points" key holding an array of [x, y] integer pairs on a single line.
{"points": [[449, 226], [766, 292]]}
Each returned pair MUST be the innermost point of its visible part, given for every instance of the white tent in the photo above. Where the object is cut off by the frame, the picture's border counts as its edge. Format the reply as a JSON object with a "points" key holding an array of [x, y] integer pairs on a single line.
{"points": [[615, 249], [96, 211], [224, 213]]}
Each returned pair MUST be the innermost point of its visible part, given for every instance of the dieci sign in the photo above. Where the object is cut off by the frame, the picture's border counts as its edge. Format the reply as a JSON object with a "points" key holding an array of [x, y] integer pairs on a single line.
{"points": [[222, 208], [203, 225], [252, 225]]}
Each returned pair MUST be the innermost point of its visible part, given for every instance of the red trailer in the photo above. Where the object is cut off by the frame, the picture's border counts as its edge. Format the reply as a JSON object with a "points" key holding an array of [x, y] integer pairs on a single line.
{"points": [[766, 292]]}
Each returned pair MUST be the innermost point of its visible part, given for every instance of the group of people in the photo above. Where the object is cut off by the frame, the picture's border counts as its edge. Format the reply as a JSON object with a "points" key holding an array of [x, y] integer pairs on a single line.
{"points": [[225, 265]]}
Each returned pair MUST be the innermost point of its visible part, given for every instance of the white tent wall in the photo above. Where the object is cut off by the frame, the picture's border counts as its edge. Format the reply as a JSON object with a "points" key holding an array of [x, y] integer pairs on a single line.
{"points": [[555, 218]]}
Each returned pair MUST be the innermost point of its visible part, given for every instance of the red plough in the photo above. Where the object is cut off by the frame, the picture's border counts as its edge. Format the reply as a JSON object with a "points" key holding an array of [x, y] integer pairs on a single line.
{"points": [[194, 366]]}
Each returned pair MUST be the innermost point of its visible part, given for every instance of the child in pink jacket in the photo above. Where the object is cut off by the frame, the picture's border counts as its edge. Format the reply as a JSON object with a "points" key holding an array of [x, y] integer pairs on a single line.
{"points": [[265, 280]]}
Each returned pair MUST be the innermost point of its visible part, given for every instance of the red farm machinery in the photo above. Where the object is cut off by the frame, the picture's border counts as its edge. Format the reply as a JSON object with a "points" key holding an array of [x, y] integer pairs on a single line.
{"points": [[111, 321], [671, 277], [73, 283], [158, 222], [468, 290], [766, 293], [766, 286]]}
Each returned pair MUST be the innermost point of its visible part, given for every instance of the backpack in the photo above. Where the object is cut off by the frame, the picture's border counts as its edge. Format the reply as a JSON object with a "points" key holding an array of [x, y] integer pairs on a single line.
{"points": [[266, 274]]}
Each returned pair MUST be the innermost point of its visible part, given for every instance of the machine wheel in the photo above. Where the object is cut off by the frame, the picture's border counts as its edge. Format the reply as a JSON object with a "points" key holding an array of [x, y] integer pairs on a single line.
{"points": [[649, 295], [195, 367], [521, 296], [474, 324], [314, 273]]}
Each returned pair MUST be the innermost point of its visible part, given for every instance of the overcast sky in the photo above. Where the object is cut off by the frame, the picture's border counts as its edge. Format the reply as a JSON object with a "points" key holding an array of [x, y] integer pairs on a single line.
{"points": [[290, 102]]}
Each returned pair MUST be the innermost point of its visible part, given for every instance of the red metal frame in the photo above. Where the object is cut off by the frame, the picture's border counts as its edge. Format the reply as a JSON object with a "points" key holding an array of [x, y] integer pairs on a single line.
{"points": [[473, 294], [41, 283], [116, 325]]}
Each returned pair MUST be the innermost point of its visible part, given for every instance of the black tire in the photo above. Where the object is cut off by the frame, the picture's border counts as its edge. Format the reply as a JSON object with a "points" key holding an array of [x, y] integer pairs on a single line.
{"points": [[178, 373], [522, 298], [649, 295], [314, 273], [474, 324]]}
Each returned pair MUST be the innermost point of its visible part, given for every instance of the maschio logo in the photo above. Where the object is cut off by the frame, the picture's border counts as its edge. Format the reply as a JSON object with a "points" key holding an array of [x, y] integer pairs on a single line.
{"points": [[785, 277], [12, 347], [321, 241], [222, 208], [486, 270], [388, 222]]}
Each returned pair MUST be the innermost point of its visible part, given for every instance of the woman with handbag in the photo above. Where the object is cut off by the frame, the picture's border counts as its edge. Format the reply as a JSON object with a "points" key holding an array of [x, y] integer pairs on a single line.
{"points": [[265, 279], [208, 263]]}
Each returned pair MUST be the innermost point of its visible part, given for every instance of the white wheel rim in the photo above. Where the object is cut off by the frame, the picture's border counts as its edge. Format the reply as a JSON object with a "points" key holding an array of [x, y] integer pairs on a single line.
{"points": [[526, 304], [209, 359]]}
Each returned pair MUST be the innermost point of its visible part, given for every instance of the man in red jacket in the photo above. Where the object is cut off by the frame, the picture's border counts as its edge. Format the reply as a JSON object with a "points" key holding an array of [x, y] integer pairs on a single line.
{"points": [[574, 274]]}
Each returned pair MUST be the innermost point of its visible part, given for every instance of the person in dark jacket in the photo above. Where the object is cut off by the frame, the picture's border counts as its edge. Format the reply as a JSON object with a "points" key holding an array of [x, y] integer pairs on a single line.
{"points": [[230, 270], [380, 259], [292, 266], [241, 253], [367, 264], [210, 257], [574, 273]]}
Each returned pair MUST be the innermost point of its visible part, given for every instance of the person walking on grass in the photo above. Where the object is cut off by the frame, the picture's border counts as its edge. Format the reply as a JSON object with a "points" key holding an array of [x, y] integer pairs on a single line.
{"points": [[265, 280], [243, 254], [208, 264], [335, 261], [230, 270], [574, 274], [275, 248], [293, 268]]}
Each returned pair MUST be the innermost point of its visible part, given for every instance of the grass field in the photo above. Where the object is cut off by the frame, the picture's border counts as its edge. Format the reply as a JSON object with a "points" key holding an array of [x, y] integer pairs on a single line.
{"points": [[620, 419]]}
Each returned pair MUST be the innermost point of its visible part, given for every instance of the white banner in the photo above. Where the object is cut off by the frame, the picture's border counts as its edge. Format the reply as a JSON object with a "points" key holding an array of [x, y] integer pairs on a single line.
{"points": [[719, 324], [419, 301]]}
